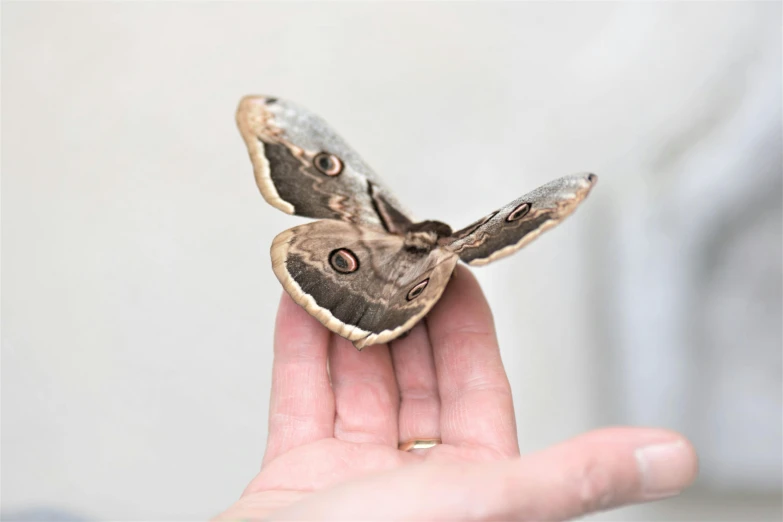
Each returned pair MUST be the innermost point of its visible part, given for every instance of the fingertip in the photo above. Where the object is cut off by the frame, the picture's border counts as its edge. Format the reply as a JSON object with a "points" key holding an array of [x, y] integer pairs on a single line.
{"points": [[666, 460], [462, 306], [666, 468], [464, 279], [295, 328], [285, 310], [612, 467]]}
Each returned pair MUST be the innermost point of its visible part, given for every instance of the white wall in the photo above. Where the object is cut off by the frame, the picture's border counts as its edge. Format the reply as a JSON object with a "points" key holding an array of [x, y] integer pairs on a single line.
{"points": [[138, 300]]}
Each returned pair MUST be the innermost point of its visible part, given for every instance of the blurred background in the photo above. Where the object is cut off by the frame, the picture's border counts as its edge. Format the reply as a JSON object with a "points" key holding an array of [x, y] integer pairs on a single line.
{"points": [[138, 300]]}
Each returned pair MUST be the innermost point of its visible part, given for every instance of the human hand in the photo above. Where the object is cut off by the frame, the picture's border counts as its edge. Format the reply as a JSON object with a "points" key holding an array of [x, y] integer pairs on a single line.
{"points": [[332, 450]]}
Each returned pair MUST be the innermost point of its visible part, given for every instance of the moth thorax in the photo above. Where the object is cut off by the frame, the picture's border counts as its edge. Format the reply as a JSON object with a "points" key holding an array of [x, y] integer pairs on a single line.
{"points": [[423, 236], [423, 241]]}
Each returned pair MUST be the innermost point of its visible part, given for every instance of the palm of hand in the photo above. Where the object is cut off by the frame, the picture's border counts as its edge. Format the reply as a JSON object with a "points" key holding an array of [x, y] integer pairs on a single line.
{"points": [[332, 449], [329, 462]]}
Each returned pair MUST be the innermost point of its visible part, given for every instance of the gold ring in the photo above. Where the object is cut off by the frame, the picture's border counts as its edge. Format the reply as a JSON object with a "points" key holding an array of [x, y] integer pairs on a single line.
{"points": [[419, 444]]}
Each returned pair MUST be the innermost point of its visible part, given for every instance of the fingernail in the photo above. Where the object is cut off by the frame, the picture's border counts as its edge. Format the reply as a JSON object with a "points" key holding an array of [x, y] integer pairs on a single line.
{"points": [[665, 468]]}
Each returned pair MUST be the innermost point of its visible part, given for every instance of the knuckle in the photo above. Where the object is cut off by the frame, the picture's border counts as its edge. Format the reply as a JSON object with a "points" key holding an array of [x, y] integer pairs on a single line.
{"points": [[593, 486]]}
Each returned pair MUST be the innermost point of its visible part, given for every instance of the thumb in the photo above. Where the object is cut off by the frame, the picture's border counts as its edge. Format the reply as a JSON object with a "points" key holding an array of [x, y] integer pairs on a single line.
{"points": [[597, 471]]}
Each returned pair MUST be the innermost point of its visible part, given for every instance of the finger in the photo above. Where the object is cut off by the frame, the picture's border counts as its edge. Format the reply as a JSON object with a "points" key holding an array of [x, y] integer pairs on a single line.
{"points": [[365, 393], [301, 408], [594, 472], [476, 405], [414, 368]]}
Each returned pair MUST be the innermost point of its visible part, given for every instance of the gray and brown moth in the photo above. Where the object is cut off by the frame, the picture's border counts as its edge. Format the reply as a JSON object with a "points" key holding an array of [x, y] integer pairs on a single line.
{"points": [[366, 270]]}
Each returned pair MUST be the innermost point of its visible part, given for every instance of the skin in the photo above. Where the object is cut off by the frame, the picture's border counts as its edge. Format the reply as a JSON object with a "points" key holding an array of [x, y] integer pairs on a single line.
{"points": [[332, 446]]}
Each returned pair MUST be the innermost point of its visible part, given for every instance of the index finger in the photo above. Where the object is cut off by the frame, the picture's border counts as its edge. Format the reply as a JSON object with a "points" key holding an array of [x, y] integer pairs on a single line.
{"points": [[476, 405], [301, 407]]}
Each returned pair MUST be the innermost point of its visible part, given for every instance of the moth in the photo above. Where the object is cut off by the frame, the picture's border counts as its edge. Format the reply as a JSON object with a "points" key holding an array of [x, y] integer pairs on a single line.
{"points": [[366, 269]]}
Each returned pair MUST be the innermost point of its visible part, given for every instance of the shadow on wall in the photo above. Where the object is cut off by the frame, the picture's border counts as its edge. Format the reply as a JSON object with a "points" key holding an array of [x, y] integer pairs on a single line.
{"points": [[693, 269]]}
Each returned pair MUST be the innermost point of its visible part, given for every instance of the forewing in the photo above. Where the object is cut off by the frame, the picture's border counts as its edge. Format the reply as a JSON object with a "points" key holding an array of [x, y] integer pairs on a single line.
{"points": [[390, 290], [303, 167], [515, 225]]}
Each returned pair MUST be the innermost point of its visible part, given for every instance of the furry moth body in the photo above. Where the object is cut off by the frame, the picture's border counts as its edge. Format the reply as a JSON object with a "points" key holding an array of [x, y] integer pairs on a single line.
{"points": [[366, 270]]}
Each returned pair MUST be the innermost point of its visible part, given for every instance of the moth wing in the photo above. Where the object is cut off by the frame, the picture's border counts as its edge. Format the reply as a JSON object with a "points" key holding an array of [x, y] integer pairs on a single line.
{"points": [[389, 291], [515, 225], [303, 167]]}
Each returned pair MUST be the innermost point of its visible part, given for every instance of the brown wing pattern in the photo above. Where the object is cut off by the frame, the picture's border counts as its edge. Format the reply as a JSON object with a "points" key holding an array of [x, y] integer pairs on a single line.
{"points": [[366, 271], [515, 225], [359, 282], [303, 167]]}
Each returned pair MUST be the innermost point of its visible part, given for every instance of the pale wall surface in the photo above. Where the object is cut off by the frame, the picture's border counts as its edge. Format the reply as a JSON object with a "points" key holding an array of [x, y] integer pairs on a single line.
{"points": [[138, 300]]}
